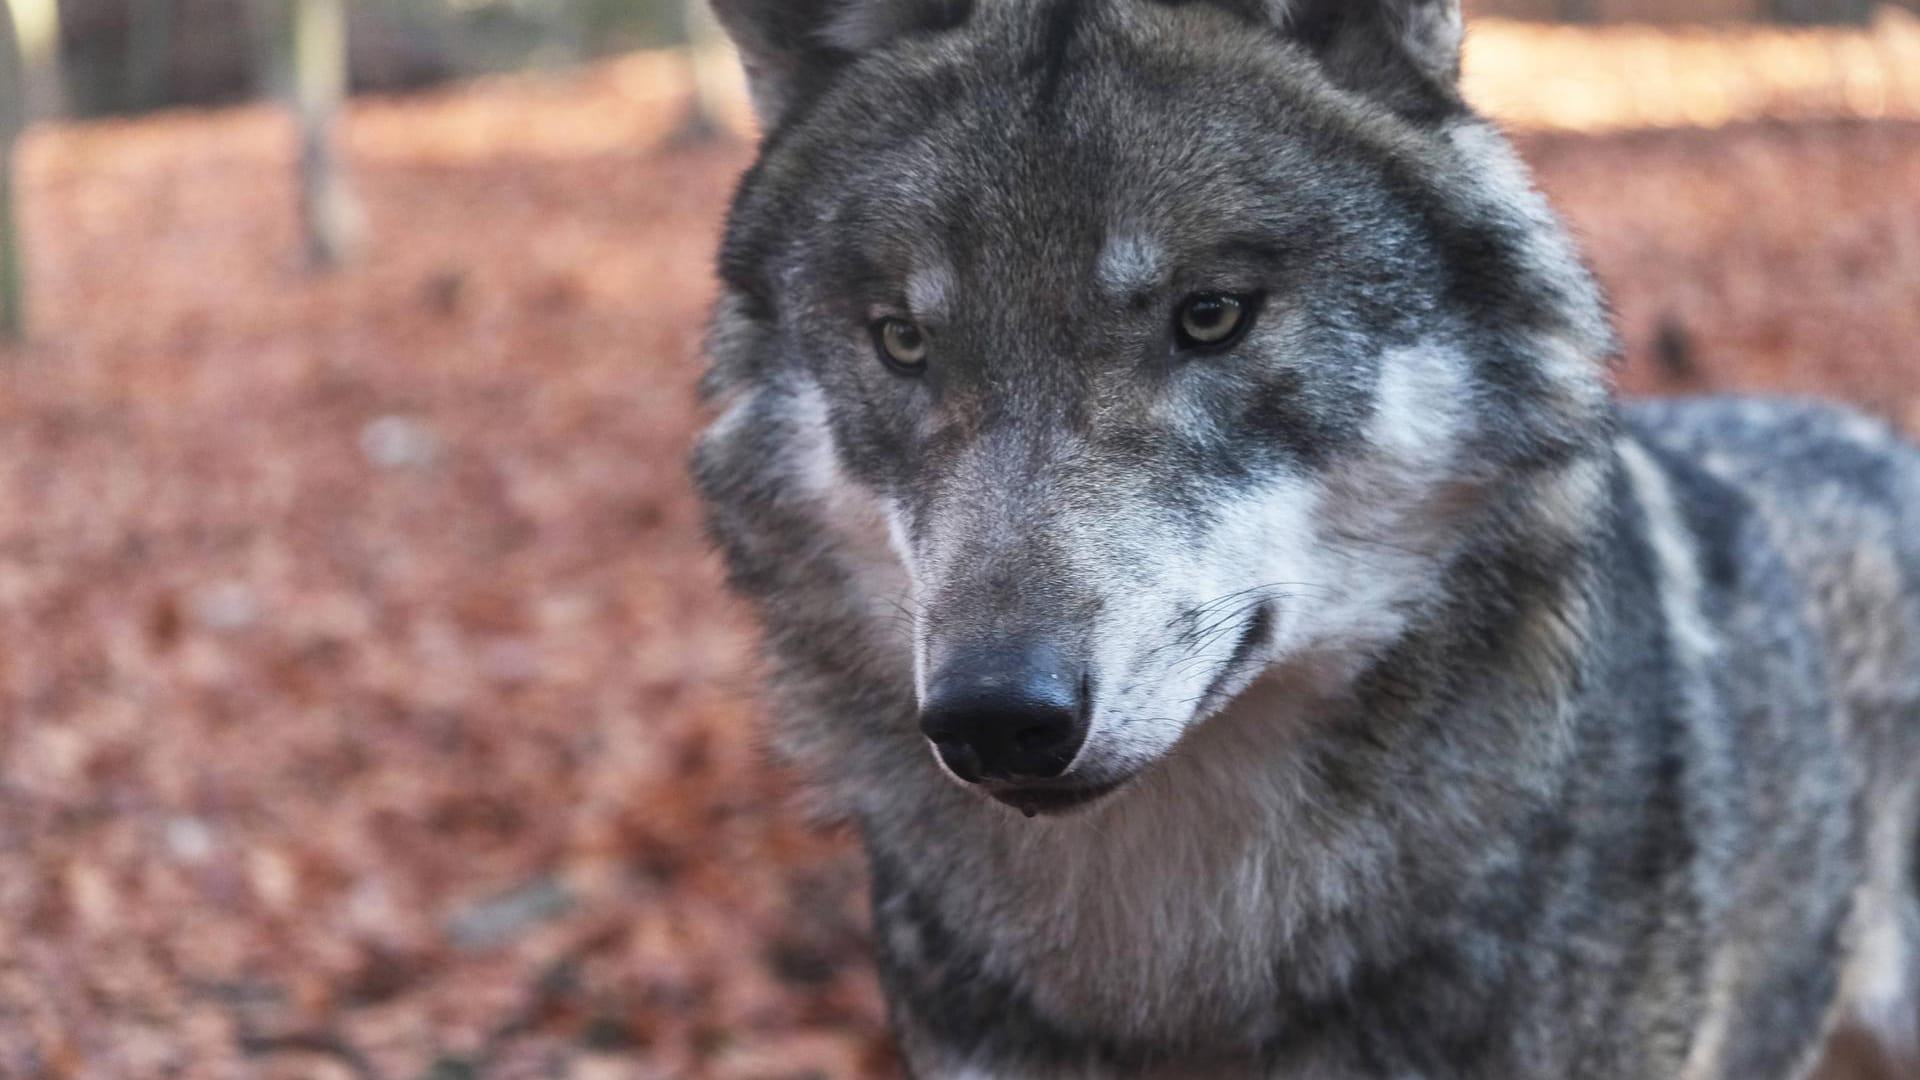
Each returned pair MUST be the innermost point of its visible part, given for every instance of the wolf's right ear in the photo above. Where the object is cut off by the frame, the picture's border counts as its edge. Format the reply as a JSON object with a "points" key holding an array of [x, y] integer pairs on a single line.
{"points": [[1402, 53], [791, 48]]}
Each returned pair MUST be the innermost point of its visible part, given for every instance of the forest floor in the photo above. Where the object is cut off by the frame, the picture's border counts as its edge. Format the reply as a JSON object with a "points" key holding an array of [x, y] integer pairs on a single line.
{"points": [[369, 706]]}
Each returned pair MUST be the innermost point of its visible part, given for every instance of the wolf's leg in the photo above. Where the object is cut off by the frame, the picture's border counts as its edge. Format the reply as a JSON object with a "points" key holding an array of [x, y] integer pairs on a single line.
{"points": [[1877, 1034], [1877, 1041]]}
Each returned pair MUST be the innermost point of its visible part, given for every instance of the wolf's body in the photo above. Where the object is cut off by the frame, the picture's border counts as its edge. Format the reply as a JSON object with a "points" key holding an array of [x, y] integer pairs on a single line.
{"points": [[1464, 724]]}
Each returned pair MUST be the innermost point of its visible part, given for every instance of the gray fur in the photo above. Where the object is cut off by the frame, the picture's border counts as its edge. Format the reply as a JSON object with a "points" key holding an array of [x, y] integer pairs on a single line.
{"points": [[1466, 723]]}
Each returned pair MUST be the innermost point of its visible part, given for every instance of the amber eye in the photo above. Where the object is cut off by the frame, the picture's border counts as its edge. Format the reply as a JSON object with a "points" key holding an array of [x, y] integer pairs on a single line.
{"points": [[1213, 320], [902, 345]]}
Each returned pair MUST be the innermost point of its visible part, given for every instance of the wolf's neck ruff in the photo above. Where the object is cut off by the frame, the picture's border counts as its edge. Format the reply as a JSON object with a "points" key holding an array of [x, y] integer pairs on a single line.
{"points": [[1300, 839]]}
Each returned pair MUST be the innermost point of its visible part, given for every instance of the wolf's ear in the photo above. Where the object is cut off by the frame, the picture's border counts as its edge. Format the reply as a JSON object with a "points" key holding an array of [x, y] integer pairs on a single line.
{"points": [[1404, 53], [791, 48]]}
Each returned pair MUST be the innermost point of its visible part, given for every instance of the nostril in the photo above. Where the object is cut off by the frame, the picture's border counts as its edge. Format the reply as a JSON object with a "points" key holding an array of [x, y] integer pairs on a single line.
{"points": [[1013, 715], [1006, 744], [1041, 737], [959, 756], [949, 745]]}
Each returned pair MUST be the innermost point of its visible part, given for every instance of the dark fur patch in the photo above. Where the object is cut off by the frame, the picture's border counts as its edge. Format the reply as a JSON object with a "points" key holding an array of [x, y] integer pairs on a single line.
{"points": [[1057, 36]]}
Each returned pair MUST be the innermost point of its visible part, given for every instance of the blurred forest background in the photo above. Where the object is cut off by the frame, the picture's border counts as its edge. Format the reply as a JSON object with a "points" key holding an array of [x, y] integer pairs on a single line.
{"points": [[135, 55], [369, 705]]}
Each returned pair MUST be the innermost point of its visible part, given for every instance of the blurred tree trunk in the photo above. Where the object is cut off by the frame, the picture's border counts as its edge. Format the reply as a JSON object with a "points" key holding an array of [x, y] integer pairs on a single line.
{"points": [[571, 33], [13, 119], [307, 41], [36, 25], [712, 69]]}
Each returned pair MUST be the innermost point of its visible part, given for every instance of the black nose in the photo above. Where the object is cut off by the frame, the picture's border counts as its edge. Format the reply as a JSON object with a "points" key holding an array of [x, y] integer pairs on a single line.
{"points": [[1007, 714]]}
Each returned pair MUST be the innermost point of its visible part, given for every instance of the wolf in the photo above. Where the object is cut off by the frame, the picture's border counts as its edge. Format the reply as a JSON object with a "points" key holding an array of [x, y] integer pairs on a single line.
{"points": [[1172, 449]]}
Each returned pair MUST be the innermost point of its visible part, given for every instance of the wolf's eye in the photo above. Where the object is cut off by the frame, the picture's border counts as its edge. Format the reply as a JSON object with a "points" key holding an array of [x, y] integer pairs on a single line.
{"points": [[1213, 320], [902, 345]]}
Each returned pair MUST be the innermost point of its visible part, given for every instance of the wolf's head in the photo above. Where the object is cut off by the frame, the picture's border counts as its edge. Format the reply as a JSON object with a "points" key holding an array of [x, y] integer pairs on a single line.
{"points": [[1087, 359]]}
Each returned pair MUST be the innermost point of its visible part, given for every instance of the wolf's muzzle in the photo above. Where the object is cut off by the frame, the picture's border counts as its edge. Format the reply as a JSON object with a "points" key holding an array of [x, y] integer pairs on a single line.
{"points": [[1007, 714]]}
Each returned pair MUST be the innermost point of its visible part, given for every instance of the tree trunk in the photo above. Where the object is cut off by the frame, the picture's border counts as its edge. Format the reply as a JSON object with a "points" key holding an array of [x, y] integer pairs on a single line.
{"points": [[36, 25], [570, 34], [713, 69], [313, 37], [13, 119]]}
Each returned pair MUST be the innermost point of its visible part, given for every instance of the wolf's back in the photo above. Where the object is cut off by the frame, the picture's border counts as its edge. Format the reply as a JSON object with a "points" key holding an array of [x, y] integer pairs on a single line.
{"points": [[1797, 530]]}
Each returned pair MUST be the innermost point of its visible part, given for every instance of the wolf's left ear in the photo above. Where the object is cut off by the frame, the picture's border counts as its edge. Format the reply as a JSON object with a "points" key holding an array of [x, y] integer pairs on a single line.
{"points": [[1404, 53], [791, 48]]}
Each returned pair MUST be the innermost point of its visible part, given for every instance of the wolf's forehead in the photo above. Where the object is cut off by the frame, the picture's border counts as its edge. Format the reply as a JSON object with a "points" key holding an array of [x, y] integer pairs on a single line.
{"points": [[1012, 231], [1088, 205], [1129, 261], [960, 174]]}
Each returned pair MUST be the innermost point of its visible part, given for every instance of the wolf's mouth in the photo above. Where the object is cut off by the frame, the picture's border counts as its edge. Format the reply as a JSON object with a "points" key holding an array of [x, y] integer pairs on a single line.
{"points": [[1259, 629], [1053, 801]]}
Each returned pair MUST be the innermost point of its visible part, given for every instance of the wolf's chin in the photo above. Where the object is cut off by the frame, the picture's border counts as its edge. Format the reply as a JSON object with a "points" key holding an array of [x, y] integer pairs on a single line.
{"points": [[1055, 801]]}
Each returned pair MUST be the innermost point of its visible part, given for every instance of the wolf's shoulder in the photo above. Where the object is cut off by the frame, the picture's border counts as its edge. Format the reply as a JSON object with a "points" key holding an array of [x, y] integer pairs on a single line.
{"points": [[1811, 462], [1783, 440], [1826, 481], [1831, 497]]}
